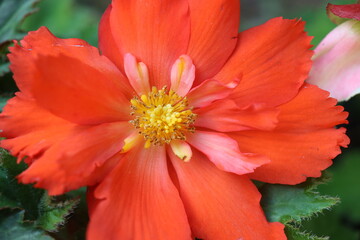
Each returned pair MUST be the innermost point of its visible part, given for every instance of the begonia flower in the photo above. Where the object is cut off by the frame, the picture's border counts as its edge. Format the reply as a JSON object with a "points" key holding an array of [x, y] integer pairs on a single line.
{"points": [[169, 124], [336, 66]]}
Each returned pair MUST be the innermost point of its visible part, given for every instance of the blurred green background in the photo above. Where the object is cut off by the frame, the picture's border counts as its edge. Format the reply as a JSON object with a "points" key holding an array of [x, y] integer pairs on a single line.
{"points": [[80, 18]]}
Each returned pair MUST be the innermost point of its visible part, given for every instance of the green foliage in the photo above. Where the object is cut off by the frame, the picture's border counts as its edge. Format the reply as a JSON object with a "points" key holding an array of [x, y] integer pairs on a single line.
{"points": [[293, 204], [317, 22], [294, 233], [13, 227], [283, 203], [65, 19], [54, 214], [75, 228], [343, 221], [12, 13], [34, 209], [14, 195]]}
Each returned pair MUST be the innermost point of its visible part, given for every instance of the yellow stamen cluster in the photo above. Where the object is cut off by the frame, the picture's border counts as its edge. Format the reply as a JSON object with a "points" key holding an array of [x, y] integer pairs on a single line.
{"points": [[162, 116]]}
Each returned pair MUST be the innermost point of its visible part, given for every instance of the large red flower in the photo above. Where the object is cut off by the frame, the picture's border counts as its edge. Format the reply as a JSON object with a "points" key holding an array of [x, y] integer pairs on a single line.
{"points": [[171, 121]]}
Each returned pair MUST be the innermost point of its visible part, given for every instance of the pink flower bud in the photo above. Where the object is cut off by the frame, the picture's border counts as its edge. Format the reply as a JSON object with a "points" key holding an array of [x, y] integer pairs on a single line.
{"points": [[336, 66]]}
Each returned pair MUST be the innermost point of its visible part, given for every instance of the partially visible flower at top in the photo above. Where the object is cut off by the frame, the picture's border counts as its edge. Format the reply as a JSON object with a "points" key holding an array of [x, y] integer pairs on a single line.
{"points": [[341, 13], [169, 124], [336, 66]]}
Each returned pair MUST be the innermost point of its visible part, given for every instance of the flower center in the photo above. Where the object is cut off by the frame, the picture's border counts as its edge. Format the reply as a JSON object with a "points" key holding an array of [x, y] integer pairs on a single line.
{"points": [[162, 116]]}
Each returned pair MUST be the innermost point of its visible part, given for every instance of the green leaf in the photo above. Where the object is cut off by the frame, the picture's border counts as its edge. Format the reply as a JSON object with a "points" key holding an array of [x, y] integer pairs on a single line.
{"points": [[80, 21], [294, 233], [13, 194], [54, 214], [12, 13], [76, 226], [12, 227], [283, 203], [40, 209], [341, 222]]}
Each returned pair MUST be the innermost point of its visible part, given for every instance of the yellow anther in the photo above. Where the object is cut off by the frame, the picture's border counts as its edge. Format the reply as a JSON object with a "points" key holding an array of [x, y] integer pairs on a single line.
{"points": [[133, 101], [144, 98], [162, 117]]}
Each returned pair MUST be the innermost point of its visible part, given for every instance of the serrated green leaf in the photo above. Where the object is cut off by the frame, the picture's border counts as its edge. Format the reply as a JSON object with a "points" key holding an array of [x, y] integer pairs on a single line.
{"points": [[13, 194], [294, 233], [76, 225], [40, 210], [342, 221], [12, 13], [53, 215], [12, 227], [285, 204]]}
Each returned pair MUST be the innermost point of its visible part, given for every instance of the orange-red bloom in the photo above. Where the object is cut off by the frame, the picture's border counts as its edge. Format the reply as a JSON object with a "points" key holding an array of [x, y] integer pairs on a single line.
{"points": [[171, 121]]}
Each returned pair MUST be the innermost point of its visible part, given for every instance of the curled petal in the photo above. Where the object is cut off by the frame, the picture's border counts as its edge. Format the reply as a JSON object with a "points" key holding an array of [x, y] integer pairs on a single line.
{"points": [[209, 91], [225, 116], [131, 141], [137, 74], [182, 75], [224, 152], [181, 149], [336, 62]]}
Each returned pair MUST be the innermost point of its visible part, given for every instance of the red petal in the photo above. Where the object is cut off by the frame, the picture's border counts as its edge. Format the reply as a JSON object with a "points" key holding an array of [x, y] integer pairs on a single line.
{"points": [[29, 129], [224, 152], [70, 79], [156, 32], [304, 142], [138, 201], [221, 205], [311, 109], [73, 162], [107, 43], [226, 116], [350, 11], [213, 37], [273, 59]]}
